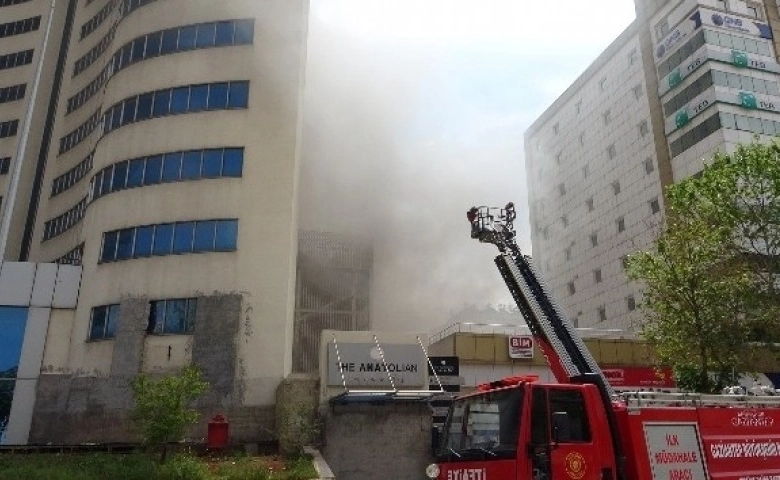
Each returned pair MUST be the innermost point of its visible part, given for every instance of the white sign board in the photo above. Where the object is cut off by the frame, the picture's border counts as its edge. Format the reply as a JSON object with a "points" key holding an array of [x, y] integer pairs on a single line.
{"points": [[366, 365], [675, 451], [521, 346]]}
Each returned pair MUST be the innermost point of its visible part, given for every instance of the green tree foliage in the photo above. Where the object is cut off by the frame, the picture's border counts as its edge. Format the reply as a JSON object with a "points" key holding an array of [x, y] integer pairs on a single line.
{"points": [[163, 406], [709, 280]]}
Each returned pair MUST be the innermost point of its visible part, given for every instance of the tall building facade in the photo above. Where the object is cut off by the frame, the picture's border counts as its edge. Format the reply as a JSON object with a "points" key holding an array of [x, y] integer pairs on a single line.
{"points": [[156, 143], [684, 80]]}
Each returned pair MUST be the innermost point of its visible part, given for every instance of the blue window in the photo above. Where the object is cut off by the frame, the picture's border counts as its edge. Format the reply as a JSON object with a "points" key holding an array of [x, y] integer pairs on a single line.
{"points": [[103, 322], [212, 163], [226, 236], [218, 96], [116, 116], [108, 253], [127, 52], [143, 241], [239, 95], [180, 99], [135, 173], [245, 32], [162, 100], [224, 34], [153, 41], [163, 238], [187, 37], [173, 316], [105, 186], [233, 162], [190, 166], [204, 236], [199, 95], [153, 172], [206, 34], [96, 182], [182, 237], [171, 167], [128, 110], [120, 177], [139, 46], [170, 39], [124, 248], [145, 102]]}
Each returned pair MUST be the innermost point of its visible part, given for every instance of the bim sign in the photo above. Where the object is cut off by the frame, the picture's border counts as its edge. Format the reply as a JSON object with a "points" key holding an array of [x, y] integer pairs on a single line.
{"points": [[521, 346]]}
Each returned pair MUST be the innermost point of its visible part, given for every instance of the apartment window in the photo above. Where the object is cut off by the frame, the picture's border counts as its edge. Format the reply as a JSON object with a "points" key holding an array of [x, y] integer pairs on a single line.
{"points": [[589, 204], [696, 134], [582, 138], [5, 165], [611, 152], [170, 238], [72, 176], [585, 170], [172, 316], [82, 132], [12, 93], [655, 207], [597, 275], [9, 128], [630, 303], [632, 56], [754, 10], [20, 26], [602, 84], [637, 91], [176, 166], [616, 187], [556, 128], [649, 166], [73, 257], [93, 23], [8, 3], [594, 239], [561, 189], [65, 221], [103, 322], [643, 128], [572, 288], [602, 311], [621, 224], [179, 100], [606, 116]]}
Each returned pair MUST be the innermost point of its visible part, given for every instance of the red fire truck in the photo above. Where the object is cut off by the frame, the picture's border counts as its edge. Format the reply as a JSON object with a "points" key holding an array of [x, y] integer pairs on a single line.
{"points": [[578, 428]]}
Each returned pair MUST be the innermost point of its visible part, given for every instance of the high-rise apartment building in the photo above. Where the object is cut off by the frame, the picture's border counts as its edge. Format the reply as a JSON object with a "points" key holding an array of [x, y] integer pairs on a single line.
{"points": [[155, 143], [684, 80]]}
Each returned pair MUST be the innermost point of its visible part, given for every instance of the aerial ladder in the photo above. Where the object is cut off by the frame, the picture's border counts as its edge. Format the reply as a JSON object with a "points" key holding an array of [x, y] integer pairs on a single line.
{"points": [[565, 352]]}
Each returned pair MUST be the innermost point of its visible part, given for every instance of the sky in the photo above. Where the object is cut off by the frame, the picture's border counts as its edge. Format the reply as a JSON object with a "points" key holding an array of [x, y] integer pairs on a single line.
{"points": [[413, 112]]}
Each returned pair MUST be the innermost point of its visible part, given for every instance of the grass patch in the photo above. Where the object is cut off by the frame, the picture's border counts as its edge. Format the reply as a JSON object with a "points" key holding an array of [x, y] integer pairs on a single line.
{"points": [[139, 466]]}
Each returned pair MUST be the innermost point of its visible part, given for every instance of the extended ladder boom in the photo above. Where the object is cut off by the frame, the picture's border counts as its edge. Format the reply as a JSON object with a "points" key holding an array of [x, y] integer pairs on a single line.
{"points": [[569, 359]]}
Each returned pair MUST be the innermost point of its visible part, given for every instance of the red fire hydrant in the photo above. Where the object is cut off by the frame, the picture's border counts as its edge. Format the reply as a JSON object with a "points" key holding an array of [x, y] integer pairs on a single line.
{"points": [[217, 437]]}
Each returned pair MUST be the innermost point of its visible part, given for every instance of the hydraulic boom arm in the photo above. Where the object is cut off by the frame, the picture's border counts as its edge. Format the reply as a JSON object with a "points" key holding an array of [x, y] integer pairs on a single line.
{"points": [[569, 359]]}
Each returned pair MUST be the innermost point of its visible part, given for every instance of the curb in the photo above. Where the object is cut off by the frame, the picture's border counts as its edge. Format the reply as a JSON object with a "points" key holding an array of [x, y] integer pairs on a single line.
{"points": [[323, 470]]}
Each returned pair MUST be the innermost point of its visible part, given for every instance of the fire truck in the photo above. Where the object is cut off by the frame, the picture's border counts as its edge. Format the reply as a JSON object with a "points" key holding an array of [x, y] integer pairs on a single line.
{"points": [[579, 428]]}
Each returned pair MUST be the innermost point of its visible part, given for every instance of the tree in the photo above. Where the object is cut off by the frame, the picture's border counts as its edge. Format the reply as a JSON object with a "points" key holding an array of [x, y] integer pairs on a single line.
{"points": [[162, 406], [709, 280]]}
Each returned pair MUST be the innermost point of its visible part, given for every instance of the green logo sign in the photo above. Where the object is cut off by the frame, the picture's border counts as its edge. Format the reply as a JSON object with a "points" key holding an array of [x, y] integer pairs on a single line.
{"points": [[748, 100], [675, 78], [739, 59], [681, 118]]}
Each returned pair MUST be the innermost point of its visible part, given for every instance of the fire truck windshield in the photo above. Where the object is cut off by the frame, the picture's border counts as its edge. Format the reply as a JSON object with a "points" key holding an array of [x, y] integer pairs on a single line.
{"points": [[482, 427]]}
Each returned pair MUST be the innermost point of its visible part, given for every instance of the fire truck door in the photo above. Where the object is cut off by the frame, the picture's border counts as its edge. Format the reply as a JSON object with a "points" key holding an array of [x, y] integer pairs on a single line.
{"points": [[539, 445], [573, 454]]}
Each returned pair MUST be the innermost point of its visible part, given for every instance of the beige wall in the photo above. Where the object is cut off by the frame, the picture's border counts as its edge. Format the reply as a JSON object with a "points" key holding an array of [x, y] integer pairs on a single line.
{"points": [[264, 199]]}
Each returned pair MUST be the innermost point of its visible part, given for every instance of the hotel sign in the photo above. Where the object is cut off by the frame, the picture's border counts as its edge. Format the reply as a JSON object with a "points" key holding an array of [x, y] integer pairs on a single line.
{"points": [[366, 365]]}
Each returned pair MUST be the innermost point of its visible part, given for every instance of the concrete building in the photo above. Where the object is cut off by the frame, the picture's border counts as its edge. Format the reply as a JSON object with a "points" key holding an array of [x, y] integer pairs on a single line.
{"points": [[155, 144], [684, 80]]}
